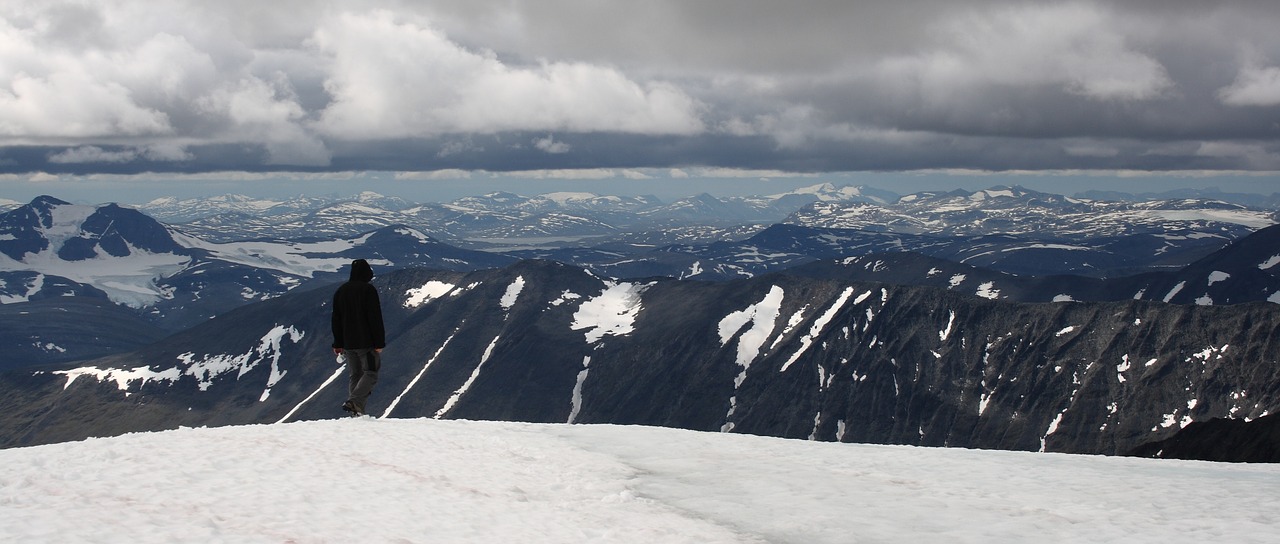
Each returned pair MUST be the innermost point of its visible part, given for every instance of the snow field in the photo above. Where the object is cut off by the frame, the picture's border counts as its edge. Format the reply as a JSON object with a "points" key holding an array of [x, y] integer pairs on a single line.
{"points": [[426, 480], [338, 481]]}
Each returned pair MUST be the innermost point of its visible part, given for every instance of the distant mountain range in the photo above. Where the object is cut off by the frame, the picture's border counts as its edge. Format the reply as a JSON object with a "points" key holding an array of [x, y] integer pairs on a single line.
{"points": [[1244, 271], [1000, 210], [480, 220], [1003, 318], [1253, 200], [1010, 229], [51, 248], [998, 243], [55, 256]]}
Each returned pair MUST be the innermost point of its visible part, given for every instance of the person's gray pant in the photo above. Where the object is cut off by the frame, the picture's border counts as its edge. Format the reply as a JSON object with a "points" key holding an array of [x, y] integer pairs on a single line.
{"points": [[364, 365]]}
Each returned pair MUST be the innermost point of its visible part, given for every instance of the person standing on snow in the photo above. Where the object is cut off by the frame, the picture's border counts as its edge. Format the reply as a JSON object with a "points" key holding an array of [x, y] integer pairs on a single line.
{"points": [[358, 335]]}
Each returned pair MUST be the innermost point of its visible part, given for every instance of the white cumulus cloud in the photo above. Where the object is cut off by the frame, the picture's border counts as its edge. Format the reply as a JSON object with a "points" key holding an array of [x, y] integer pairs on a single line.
{"points": [[267, 113], [550, 145], [395, 77], [1254, 86], [1073, 47]]}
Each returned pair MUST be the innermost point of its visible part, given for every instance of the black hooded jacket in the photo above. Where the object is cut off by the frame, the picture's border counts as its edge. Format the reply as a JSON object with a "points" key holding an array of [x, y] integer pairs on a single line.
{"points": [[357, 312]]}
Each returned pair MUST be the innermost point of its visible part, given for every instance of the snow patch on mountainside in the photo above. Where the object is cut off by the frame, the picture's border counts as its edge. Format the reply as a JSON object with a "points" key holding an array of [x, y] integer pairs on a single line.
{"points": [[210, 367], [204, 369], [944, 333], [31, 287], [567, 296], [512, 293], [129, 280], [987, 290], [296, 258], [421, 372], [763, 317], [428, 292], [612, 312], [1053, 428], [792, 322], [1174, 292], [340, 371], [575, 400], [475, 373], [64, 223], [123, 378], [819, 325]]}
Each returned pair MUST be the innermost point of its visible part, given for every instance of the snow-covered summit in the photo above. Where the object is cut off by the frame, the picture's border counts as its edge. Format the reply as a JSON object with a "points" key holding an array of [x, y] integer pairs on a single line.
{"points": [[458, 481], [829, 192], [185, 209], [118, 250], [370, 198], [51, 248]]}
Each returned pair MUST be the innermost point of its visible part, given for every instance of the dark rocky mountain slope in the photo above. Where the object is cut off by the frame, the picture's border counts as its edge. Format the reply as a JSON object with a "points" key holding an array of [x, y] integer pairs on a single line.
{"points": [[781, 355], [1247, 270], [69, 329], [1221, 439]]}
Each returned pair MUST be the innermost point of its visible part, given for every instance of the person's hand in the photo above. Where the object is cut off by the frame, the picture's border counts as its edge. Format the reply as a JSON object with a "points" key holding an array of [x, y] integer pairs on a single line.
{"points": [[337, 351], [378, 350]]}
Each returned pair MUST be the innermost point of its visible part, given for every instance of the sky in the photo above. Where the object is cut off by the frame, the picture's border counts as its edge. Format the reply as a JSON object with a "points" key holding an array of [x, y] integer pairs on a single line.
{"points": [[130, 97], [399, 480]]}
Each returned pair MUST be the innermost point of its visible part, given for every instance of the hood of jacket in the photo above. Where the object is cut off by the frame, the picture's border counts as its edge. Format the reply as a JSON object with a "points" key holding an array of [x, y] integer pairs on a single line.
{"points": [[361, 271]]}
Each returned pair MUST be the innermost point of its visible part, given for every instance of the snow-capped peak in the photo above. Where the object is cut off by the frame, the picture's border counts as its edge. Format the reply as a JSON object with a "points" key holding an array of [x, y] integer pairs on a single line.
{"points": [[564, 197], [162, 201], [829, 192], [118, 250]]}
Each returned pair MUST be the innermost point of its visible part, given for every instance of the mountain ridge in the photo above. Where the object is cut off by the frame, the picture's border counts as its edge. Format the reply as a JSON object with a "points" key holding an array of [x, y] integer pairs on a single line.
{"points": [[778, 355], [173, 279]]}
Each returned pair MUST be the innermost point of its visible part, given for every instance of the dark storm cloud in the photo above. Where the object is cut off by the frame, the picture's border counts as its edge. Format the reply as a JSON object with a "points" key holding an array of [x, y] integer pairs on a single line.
{"points": [[131, 87]]}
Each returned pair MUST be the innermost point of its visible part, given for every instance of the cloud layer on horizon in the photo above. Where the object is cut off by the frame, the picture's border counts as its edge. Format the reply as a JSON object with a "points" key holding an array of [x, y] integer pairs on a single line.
{"points": [[119, 86]]}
